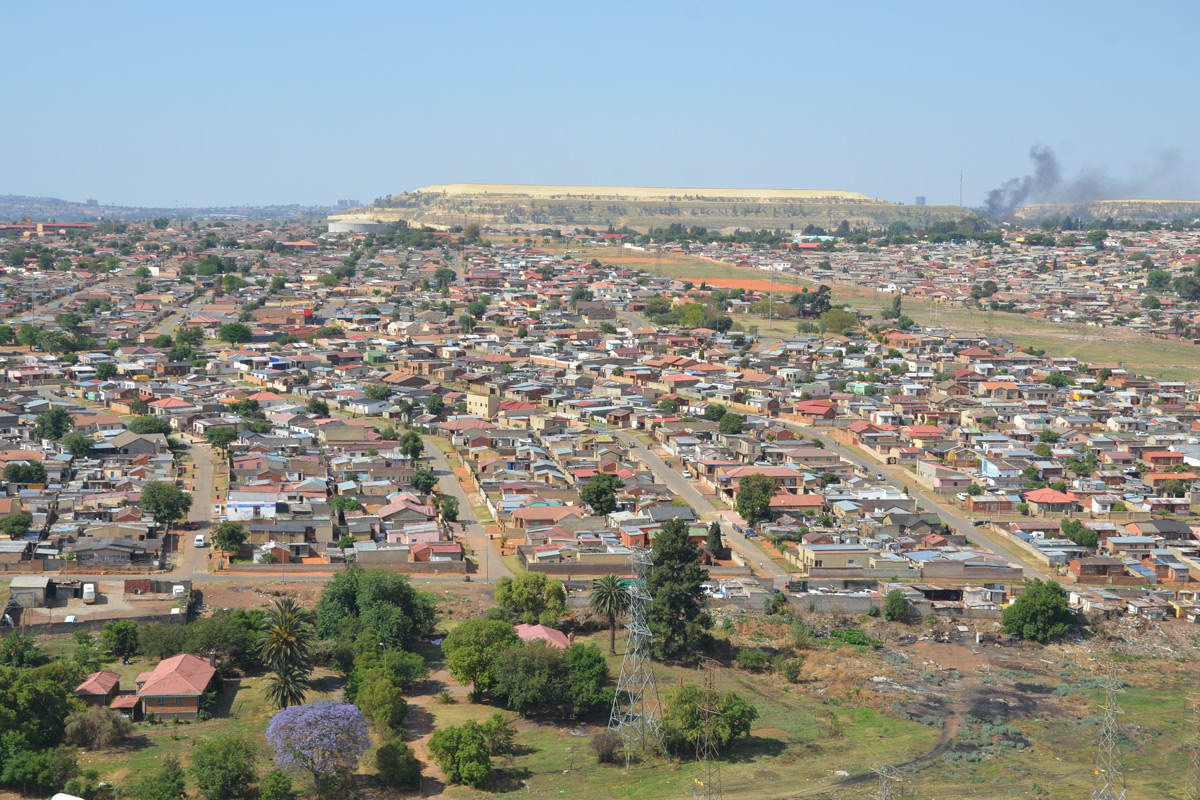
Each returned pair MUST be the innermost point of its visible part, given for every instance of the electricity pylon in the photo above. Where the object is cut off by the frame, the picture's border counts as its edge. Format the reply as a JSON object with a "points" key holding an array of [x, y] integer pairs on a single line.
{"points": [[1109, 781], [887, 776], [707, 785], [1192, 790], [636, 710]]}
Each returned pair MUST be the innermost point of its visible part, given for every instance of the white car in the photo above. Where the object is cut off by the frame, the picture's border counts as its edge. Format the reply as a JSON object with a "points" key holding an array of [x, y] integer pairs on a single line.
{"points": [[962, 496], [199, 540], [70, 619]]}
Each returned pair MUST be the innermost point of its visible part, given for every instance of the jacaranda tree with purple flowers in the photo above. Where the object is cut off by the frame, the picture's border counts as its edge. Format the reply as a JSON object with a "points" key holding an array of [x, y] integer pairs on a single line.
{"points": [[324, 739]]}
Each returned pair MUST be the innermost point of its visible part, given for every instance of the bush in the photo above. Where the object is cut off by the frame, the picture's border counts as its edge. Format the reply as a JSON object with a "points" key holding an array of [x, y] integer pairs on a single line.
{"points": [[604, 745], [787, 668], [397, 765], [97, 728], [856, 637], [462, 753], [752, 660], [499, 734], [895, 606], [776, 604]]}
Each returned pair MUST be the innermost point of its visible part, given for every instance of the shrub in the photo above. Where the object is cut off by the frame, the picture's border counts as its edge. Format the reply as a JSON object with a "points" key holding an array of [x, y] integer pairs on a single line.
{"points": [[787, 668], [97, 728], [856, 637], [604, 745], [751, 659], [397, 765]]}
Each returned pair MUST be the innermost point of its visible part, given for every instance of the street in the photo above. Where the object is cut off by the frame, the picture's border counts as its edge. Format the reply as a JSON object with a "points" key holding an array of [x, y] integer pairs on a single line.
{"points": [[491, 566], [677, 483], [899, 477]]}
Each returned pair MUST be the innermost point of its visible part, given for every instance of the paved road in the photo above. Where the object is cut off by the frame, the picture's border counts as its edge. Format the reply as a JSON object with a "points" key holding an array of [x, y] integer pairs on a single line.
{"points": [[899, 477], [675, 481], [191, 561], [491, 566], [168, 325]]}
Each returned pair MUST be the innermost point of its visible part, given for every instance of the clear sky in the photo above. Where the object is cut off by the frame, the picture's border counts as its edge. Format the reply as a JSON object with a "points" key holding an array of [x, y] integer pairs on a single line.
{"points": [[207, 103]]}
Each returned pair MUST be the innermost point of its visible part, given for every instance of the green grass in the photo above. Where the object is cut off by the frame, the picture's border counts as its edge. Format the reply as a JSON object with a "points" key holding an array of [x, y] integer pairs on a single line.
{"points": [[513, 562]]}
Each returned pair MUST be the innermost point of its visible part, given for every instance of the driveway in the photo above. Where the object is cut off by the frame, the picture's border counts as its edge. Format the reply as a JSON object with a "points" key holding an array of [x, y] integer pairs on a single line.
{"points": [[681, 486], [491, 566]]}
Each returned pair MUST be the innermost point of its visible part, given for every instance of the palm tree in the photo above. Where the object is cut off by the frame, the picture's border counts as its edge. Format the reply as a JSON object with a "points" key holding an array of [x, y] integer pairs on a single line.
{"points": [[609, 599], [287, 687], [286, 634]]}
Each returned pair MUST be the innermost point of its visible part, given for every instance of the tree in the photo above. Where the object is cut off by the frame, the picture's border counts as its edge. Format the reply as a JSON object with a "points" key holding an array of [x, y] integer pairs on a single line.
{"points": [[600, 493], [317, 406], [221, 438], [714, 412], [683, 721], [345, 504], [609, 599], [381, 698], [1079, 533], [397, 765], [423, 480], [1040, 613], [580, 293], [411, 445], [33, 472], [731, 424], [78, 445], [449, 507], [324, 739], [754, 496], [165, 501], [895, 606], [144, 425], [470, 647], [234, 333], [527, 675], [714, 543], [585, 685], [462, 753], [53, 424], [223, 767], [120, 637], [277, 785], [676, 617], [106, 371], [378, 391], [16, 525], [287, 634], [1158, 279], [97, 728], [670, 405], [229, 536], [286, 687], [356, 600], [435, 404], [165, 783], [532, 596]]}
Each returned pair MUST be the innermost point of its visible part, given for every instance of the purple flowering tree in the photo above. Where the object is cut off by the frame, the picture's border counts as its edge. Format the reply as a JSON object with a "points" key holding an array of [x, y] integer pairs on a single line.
{"points": [[323, 738]]}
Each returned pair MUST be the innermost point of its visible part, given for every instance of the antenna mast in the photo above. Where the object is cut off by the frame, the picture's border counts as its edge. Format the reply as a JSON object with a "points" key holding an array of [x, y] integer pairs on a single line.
{"points": [[707, 784]]}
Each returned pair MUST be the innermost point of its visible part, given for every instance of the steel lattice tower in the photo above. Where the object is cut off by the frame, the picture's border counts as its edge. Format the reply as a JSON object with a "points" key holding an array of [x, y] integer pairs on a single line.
{"points": [[636, 710], [1192, 790], [707, 785], [887, 774], [1109, 779]]}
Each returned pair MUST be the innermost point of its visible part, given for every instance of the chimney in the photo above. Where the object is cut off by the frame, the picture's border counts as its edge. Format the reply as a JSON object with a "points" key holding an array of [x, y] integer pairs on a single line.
{"points": [[212, 660]]}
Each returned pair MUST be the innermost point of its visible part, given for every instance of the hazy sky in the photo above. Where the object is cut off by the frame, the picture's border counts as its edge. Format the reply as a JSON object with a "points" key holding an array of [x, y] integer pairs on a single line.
{"points": [[255, 102]]}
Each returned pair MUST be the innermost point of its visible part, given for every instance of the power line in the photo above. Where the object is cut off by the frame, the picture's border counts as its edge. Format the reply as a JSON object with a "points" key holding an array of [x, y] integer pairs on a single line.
{"points": [[636, 710], [707, 784]]}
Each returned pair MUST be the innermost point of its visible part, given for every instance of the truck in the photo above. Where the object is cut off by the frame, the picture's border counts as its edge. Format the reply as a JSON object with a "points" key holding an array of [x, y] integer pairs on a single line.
{"points": [[89, 593]]}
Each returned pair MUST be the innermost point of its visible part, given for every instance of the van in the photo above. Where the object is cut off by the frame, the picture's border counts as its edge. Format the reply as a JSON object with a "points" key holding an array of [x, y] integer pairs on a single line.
{"points": [[199, 540], [89, 593]]}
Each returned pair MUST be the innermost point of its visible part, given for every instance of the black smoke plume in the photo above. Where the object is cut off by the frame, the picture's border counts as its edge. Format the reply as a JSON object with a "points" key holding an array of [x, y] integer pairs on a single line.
{"points": [[1163, 176]]}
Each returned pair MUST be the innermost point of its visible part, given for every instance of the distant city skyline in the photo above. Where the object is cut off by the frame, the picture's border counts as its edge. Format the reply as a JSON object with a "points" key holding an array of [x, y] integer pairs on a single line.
{"points": [[165, 105]]}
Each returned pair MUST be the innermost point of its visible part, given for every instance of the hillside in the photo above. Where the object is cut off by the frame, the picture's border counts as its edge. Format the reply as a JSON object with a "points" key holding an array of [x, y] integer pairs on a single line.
{"points": [[1136, 210], [518, 206]]}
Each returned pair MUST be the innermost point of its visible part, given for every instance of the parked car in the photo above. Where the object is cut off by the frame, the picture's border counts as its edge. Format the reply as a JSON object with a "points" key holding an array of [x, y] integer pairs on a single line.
{"points": [[199, 540], [191, 526]]}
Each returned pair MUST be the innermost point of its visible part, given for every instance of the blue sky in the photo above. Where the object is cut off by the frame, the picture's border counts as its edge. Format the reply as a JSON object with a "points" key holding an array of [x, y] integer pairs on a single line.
{"points": [[257, 102]]}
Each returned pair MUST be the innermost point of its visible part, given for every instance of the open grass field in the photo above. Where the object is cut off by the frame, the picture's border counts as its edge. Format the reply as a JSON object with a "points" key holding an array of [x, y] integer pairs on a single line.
{"points": [[984, 723]]}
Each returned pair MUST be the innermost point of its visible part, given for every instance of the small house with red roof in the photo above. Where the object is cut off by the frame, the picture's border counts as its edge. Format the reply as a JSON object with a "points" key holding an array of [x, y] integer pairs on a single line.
{"points": [[536, 633], [99, 688], [175, 686]]}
